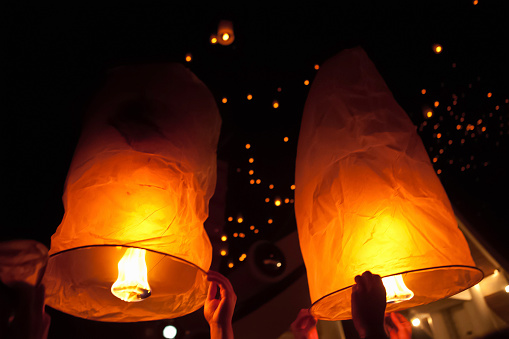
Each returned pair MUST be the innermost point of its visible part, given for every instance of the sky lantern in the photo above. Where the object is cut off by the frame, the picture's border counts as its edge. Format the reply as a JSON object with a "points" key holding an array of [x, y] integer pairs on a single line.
{"points": [[367, 197], [131, 245], [225, 34]]}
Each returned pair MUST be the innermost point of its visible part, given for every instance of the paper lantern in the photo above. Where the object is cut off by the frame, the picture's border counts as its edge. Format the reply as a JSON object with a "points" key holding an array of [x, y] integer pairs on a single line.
{"points": [[225, 34], [367, 197], [131, 245], [23, 261]]}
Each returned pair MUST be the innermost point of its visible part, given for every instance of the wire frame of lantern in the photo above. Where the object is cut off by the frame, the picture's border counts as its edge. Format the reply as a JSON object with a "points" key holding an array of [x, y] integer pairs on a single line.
{"points": [[367, 197], [131, 245]]}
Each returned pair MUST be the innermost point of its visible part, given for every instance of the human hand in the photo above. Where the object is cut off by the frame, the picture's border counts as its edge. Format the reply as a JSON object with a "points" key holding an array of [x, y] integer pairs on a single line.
{"points": [[219, 312], [26, 318], [304, 326], [368, 305], [397, 326]]}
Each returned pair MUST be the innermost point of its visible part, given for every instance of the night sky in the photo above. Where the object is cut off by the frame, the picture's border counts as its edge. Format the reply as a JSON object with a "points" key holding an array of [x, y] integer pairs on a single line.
{"points": [[56, 59]]}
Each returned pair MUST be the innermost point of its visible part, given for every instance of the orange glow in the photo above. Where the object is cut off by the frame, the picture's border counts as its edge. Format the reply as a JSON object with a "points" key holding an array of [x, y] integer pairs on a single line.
{"points": [[317, 67], [248, 146], [224, 238], [279, 89], [251, 160], [489, 95], [441, 151], [396, 290], [213, 39], [258, 181], [439, 171], [475, 2], [437, 48], [225, 32], [252, 181], [230, 265], [435, 159], [306, 82], [242, 235], [251, 227], [224, 100], [223, 253], [483, 129], [240, 220], [287, 201], [479, 121], [285, 139], [423, 91], [277, 202], [292, 187], [275, 104], [132, 284], [251, 172], [256, 230], [267, 199], [189, 57], [271, 186], [249, 96], [429, 114], [497, 108], [436, 103], [270, 221], [225, 36], [242, 257], [439, 135], [235, 235]]}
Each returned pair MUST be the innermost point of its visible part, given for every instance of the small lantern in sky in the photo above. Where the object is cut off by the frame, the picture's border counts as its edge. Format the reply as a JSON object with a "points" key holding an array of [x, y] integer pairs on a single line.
{"points": [[368, 198], [131, 245], [225, 34]]}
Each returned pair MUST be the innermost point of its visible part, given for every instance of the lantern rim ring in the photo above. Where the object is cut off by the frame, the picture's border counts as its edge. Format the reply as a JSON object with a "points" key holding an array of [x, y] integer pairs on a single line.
{"points": [[406, 272], [141, 248]]}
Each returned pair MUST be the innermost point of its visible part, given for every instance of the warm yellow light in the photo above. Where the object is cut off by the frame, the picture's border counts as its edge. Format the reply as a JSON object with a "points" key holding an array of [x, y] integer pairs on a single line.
{"points": [[242, 257], [230, 265], [249, 97], [224, 238], [292, 187], [132, 282], [416, 322], [437, 48], [258, 181], [275, 104], [306, 82], [213, 40], [396, 290], [224, 101], [429, 114], [223, 253], [507, 288], [248, 146], [240, 220], [226, 37], [285, 139], [251, 172], [188, 57], [436, 103], [277, 202], [251, 160]]}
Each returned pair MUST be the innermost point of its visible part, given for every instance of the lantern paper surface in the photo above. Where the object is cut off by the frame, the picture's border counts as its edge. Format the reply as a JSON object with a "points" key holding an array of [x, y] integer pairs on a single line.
{"points": [[141, 177], [367, 197]]}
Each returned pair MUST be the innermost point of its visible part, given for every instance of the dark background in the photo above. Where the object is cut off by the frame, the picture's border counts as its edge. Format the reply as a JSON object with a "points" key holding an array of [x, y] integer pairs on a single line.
{"points": [[56, 58]]}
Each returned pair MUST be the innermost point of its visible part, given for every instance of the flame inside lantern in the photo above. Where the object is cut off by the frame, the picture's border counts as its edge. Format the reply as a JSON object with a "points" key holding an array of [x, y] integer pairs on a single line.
{"points": [[396, 290], [132, 282]]}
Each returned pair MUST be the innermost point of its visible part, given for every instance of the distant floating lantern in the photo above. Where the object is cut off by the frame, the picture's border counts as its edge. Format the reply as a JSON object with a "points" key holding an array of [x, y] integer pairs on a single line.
{"points": [[213, 39], [275, 104], [131, 245], [437, 48], [189, 57], [368, 198], [225, 34]]}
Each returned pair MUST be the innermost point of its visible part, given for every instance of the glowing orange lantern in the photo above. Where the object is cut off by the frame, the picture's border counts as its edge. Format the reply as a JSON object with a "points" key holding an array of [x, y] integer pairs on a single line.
{"points": [[131, 245], [367, 197], [225, 34]]}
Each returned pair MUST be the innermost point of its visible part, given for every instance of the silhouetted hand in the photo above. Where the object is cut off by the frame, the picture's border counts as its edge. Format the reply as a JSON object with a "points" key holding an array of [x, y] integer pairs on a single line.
{"points": [[304, 326], [219, 312], [397, 326], [368, 305]]}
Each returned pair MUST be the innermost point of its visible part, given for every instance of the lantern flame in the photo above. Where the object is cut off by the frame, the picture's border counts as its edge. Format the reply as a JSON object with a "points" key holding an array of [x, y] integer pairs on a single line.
{"points": [[132, 283], [396, 290]]}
